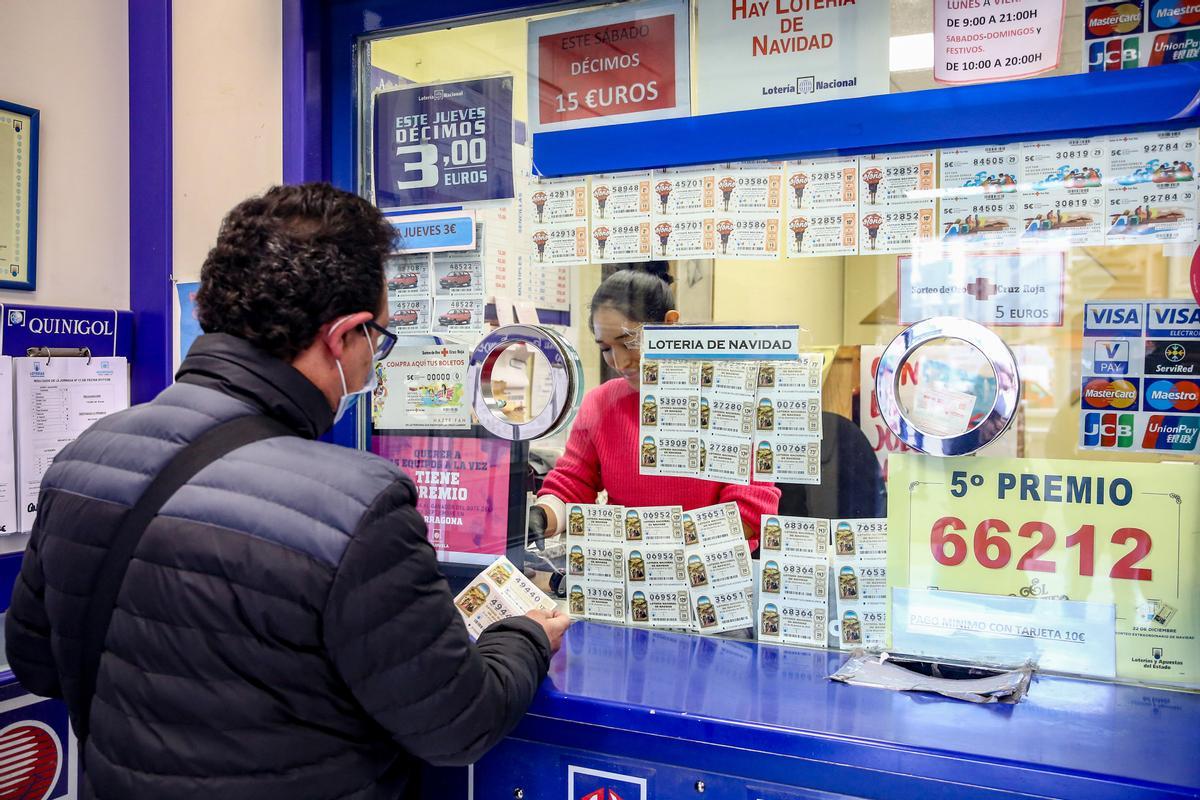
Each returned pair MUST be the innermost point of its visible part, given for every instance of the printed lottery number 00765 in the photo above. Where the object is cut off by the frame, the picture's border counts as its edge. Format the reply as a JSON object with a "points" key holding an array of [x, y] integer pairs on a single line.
{"points": [[993, 551]]}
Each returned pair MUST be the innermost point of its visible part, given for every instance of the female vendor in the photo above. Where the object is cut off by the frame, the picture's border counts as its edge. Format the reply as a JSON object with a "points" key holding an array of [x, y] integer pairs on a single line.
{"points": [[602, 450]]}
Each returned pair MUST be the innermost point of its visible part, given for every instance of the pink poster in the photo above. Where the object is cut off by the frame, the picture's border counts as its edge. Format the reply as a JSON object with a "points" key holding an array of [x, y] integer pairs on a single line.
{"points": [[462, 486], [977, 42]]}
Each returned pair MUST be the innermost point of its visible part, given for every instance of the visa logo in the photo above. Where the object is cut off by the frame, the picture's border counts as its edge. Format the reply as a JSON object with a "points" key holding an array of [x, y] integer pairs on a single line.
{"points": [[1174, 320], [1112, 319], [1108, 430]]}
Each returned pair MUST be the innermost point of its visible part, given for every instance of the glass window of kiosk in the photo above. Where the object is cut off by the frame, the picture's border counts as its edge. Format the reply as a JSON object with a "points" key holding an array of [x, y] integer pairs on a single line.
{"points": [[1008, 346]]}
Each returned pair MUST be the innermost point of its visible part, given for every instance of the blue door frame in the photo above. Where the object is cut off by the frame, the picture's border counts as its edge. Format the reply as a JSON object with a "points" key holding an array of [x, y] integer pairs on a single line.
{"points": [[320, 128]]}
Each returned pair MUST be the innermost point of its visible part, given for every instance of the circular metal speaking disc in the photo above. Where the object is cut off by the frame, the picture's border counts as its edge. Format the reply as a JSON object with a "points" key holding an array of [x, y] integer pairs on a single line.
{"points": [[989, 345], [566, 381]]}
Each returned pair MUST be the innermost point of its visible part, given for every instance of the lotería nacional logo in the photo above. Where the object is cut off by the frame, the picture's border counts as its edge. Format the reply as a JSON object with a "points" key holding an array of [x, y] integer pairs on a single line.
{"points": [[31, 758], [1167, 395], [1171, 433], [1108, 430], [584, 783], [1101, 393]]}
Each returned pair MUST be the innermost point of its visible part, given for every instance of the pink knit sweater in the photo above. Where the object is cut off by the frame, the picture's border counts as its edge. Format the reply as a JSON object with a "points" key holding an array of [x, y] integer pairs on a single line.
{"points": [[602, 453]]}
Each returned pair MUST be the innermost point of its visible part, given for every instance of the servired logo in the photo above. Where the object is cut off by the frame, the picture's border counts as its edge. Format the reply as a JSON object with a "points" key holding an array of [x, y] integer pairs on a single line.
{"points": [[1165, 432], [1101, 393], [1114, 19], [1173, 396], [1108, 430]]}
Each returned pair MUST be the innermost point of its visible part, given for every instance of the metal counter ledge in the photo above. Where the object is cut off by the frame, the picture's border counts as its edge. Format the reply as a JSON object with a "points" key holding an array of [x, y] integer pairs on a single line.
{"points": [[707, 717]]}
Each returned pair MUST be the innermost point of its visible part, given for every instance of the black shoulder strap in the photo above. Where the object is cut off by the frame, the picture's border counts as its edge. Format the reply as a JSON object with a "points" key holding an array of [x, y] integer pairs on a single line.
{"points": [[207, 448]]}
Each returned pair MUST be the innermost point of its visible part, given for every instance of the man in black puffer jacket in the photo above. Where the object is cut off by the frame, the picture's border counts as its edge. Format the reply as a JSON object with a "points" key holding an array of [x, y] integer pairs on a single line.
{"points": [[283, 630]]}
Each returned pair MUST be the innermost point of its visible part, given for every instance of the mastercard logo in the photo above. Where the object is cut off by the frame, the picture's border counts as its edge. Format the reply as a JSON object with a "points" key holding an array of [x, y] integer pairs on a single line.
{"points": [[1102, 393], [1173, 395], [1114, 19]]}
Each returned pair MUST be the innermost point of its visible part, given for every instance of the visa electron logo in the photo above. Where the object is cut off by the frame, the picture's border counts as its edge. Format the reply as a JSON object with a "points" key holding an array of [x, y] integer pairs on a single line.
{"points": [[1108, 430], [1114, 19], [1114, 54], [1171, 433], [1100, 393], [1173, 395]]}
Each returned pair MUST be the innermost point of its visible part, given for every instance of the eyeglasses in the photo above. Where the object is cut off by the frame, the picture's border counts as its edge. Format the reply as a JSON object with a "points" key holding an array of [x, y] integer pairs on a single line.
{"points": [[385, 342]]}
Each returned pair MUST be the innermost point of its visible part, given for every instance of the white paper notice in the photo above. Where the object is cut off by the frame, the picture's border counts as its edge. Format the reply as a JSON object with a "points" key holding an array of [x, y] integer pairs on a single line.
{"points": [[56, 400], [974, 44], [8, 450], [761, 55]]}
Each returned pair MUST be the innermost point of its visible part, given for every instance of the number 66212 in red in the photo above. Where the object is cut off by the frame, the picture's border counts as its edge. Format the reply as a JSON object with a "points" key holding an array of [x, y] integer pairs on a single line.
{"points": [[994, 544]]}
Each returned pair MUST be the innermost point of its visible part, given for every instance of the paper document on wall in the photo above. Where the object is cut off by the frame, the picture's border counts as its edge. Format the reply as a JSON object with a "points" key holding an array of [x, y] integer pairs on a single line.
{"points": [[56, 400], [8, 448]]}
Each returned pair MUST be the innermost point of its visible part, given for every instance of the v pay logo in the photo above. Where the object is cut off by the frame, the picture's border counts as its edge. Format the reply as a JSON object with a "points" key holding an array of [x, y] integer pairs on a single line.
{"points": [[1111, 357]]}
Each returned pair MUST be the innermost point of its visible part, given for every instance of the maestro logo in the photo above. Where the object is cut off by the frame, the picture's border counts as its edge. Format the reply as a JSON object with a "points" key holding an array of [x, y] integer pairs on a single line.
{"points": [[1168, 14], [31, 757], [1172, 396], [1114, 19], [1101, 393], [1108, 430]]}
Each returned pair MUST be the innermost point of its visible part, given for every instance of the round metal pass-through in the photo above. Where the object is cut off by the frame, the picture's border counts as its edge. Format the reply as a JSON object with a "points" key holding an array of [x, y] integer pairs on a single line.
{"points": [[991, 346], [566, 381]]}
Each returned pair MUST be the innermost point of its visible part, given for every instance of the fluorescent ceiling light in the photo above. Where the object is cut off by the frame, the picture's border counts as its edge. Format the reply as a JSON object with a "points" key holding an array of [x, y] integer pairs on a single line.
{"points": [[908, 53]]}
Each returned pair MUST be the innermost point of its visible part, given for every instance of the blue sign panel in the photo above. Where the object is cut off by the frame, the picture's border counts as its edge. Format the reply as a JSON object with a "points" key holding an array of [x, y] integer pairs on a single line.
{"points": [[35, 751], [189, 326], [445, 143], [425, 233], [106, 332]]}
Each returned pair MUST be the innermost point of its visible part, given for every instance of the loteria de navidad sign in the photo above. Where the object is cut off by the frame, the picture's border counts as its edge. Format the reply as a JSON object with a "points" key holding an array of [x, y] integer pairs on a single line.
{"points": [[767, 53]]}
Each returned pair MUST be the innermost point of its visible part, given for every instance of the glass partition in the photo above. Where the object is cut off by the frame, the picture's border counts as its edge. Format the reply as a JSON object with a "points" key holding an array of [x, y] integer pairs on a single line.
{"points": [[1074, 255]]}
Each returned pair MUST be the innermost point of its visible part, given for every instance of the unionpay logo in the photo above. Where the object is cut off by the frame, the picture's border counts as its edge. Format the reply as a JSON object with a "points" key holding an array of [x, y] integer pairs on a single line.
{"points": [[1176, 434], [1111, 357], [1172, 396], [1108, 430], [1101, 393]]}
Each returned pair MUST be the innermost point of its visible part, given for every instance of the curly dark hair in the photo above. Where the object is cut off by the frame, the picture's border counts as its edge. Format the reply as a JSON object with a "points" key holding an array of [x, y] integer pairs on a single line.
{"points": [[288, 262]]}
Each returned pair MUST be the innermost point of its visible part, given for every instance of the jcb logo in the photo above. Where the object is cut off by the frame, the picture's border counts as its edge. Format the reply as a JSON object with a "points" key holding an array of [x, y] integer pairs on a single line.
{"points": [[1108, 430]]}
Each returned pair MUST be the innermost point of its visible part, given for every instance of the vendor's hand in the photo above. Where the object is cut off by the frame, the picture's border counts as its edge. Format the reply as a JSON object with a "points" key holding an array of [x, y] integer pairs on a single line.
{"points": [[554, 623], [536, 527]]}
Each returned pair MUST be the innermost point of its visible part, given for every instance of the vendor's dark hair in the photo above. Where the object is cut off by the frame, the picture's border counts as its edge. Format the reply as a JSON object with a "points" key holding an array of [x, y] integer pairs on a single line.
{"points": [[288, 262], [641, 293]]}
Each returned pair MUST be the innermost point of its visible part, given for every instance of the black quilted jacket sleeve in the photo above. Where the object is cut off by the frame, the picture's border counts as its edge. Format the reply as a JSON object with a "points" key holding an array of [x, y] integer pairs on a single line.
{"points": [[396, 639], [27, 627]]}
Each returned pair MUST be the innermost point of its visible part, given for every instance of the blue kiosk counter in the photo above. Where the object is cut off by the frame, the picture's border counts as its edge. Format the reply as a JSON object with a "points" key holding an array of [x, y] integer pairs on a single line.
{"points": [[649, 714]]}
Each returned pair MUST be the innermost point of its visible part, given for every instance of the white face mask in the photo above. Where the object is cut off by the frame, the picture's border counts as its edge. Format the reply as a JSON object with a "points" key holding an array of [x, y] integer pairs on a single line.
{"points": [[349, 398]]}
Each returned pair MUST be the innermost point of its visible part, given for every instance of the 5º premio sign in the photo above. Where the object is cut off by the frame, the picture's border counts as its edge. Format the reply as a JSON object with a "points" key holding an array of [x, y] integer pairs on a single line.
{"points": [[1107, 533]]}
